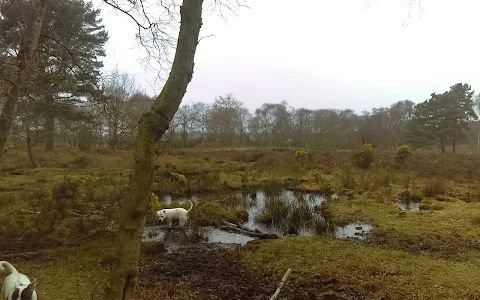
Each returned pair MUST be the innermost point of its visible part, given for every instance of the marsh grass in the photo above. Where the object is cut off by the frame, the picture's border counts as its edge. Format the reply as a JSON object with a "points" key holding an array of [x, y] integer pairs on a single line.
{"points": [[347, 179], [288, 216], [434, 187], [407, 195]]}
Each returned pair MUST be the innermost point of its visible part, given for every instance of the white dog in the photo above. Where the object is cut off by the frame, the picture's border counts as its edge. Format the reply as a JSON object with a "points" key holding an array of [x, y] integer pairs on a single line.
{"points": [[17, 286], [170, 214]]}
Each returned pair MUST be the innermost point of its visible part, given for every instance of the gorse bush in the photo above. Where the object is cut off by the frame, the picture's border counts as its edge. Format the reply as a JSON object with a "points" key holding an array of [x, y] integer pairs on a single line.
{"points": [[74, 192], [364, 156], [154, 204], [403, 152], [301, 155], [74, 195]]}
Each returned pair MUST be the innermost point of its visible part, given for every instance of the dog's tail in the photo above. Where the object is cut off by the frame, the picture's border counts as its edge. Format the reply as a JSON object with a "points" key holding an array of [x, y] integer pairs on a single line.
{"points": [[191, 206], [5, 265]]}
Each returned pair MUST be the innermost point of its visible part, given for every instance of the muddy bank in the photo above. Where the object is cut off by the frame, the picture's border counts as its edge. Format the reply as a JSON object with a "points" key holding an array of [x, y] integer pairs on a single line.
{"points": [[203, 271], [207, 272]]}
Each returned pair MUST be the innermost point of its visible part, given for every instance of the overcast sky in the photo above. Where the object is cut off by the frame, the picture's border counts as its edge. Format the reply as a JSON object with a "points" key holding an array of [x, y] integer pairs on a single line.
{"points": [[322, 53]]}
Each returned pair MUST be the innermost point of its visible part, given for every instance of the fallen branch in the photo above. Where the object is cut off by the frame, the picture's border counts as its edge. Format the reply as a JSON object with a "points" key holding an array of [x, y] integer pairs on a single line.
{"points": [[282, 283], [23, 254], [20, 210], [246, 231]]}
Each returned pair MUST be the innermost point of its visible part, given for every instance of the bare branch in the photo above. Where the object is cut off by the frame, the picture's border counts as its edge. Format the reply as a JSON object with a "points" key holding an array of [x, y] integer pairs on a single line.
{"points": [[225, 7], [205, 37], [155, 29]]}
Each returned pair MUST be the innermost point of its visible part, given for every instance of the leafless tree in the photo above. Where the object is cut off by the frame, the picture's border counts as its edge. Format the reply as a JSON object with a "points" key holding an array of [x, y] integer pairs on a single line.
{"points": [[117, 109], [156, 39]]}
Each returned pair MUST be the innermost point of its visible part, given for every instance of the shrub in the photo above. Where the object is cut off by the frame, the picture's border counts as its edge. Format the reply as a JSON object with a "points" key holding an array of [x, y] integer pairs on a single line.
{"points": [[403, 152], [301, 155], [73, 195], [154, 204], [179, 178], [82, 161], [364, 156], [434, 188]]}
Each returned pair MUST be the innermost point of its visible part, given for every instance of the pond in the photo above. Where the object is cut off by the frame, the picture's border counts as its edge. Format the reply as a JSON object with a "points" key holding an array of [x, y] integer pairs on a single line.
{"points": [[408, 201], [210, 234], [282, 213], [409, 205]]}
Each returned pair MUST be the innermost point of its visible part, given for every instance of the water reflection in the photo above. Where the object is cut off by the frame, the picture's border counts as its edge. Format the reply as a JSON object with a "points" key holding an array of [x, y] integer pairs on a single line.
{"points": [[409, 205], [209, 234], [280, 212], [353, 230]]}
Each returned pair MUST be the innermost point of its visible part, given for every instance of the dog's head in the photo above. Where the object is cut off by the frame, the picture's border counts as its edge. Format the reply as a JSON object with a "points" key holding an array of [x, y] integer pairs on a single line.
{"points": [[27, 293], [161, 215]]}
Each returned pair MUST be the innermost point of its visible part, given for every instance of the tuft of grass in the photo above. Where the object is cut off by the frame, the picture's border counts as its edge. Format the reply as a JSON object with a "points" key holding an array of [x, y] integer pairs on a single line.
{"points": [[347, 179], [430, 204], [287, 216], [435, 187], [208, 213], [408, 195]]}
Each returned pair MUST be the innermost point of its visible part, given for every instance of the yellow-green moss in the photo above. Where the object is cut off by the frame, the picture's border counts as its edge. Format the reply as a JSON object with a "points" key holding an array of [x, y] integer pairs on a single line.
{"points": [[378, 273]]}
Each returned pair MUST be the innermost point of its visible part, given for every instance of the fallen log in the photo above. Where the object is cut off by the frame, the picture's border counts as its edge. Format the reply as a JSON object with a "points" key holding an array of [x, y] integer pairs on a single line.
{"points": [[247, 231]]}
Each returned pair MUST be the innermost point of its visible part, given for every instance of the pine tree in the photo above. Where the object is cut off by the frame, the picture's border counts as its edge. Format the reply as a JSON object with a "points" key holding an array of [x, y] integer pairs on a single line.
{"points": [[443, 118], [67, 68]]}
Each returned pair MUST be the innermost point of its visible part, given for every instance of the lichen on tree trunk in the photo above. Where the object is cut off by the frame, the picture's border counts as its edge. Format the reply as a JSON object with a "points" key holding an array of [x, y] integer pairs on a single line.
{"points": [[153, 124], [29, 146], [19, 73]]}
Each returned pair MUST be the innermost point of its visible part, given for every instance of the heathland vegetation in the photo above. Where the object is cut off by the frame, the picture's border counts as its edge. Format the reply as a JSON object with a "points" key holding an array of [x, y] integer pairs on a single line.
{"points": [[81, 145]]}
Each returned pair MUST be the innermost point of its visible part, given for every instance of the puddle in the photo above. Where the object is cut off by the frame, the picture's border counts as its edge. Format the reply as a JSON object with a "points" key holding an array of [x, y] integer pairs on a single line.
{"points": [[409, 205], [353, 230], [211, 235], [407, 201], [282, 213]]}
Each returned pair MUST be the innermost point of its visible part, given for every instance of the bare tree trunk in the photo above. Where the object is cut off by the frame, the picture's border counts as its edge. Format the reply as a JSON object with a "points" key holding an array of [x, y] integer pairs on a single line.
{"points": [[478, 139], [113, 133], [454, 144], [185, 136], [24, 57], [49, 131], [153, 124], [29, 147]]}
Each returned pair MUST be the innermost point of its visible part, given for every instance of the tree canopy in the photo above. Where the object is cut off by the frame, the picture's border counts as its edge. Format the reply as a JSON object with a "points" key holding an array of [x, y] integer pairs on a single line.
{"points": [[67, 59], [443, 118]]}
